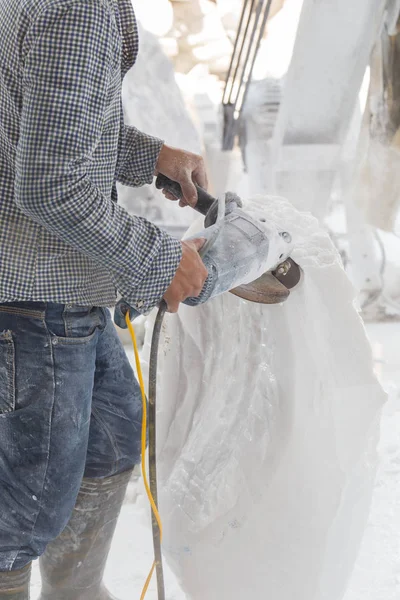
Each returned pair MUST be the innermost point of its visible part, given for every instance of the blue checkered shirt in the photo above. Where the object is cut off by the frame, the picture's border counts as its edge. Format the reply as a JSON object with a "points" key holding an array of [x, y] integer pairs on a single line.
{"points": [[63, 147]]}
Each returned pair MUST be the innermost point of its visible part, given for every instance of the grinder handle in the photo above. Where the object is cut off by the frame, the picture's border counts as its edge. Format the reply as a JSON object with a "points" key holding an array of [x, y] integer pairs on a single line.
{"points": [[204, 199]]}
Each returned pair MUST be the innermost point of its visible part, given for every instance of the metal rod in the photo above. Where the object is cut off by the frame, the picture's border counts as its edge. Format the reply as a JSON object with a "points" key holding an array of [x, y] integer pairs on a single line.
{"points": [[253, 33], [245, 3], [241, 48], [260, 36], [230, 125], [238, 84]]}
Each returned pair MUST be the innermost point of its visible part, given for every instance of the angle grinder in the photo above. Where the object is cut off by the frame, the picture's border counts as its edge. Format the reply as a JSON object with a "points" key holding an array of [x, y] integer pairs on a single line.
{"points": [[244, 255]]}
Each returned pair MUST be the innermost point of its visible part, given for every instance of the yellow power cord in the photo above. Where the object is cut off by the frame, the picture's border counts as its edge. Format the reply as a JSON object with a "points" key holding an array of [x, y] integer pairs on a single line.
{"points": [[144, 432]]}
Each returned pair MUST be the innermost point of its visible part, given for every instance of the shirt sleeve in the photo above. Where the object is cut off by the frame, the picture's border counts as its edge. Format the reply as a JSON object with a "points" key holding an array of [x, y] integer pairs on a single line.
{"points": [[66, 74], [137, 157]]}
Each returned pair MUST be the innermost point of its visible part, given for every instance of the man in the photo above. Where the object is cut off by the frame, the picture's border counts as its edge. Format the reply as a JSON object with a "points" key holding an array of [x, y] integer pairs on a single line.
{"points": [[70, 407]]}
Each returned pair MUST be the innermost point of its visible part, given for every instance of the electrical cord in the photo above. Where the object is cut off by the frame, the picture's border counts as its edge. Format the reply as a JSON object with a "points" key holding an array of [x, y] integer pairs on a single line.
{"points": [[151, 489]]}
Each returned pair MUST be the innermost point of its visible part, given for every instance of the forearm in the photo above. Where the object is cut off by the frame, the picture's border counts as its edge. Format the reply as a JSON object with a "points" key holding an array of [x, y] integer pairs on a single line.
{"points": [[142, 258], [137, 157]]}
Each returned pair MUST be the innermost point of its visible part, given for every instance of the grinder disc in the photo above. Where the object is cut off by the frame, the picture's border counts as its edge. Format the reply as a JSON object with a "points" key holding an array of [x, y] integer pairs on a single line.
{"points": [[271, 288], [264, 290]]}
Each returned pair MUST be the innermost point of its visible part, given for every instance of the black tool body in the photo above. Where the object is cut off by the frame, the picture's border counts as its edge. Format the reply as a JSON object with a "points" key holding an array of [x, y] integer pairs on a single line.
{"points": [[206, 204]]}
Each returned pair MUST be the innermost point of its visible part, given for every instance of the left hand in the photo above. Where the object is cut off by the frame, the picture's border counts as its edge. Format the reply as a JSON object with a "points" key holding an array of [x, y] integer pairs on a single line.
{"points": [[184, 167]]}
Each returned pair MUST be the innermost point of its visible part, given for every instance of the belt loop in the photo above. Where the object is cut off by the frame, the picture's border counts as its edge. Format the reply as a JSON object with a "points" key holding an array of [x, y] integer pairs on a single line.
{"points": [[65, 319]]}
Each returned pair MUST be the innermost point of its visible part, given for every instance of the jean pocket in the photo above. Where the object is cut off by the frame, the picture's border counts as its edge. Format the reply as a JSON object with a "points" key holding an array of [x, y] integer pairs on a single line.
{"points": [[77, 325], [7, 373], [73, 341]]}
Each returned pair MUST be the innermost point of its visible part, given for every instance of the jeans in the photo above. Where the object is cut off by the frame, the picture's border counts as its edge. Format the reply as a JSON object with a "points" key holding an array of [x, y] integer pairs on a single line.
{"points": [[70, 406]]}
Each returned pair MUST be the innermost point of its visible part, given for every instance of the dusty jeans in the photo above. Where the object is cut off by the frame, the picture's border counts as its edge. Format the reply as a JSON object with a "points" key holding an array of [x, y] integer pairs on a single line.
{"points": [[69, 406]]}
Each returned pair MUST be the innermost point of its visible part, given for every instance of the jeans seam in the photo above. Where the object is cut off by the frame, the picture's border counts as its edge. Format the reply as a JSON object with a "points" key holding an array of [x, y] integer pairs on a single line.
{"points": [[75, 341], [40, 499], [11, 371], [22, 312], [10, 401]]}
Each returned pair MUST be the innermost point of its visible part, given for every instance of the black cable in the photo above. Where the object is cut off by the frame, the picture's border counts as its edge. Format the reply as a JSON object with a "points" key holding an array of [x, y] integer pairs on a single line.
{"points": [[155, 340]]}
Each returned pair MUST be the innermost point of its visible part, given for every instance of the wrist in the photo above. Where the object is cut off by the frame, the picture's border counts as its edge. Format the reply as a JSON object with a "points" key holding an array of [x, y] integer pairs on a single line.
{"points": [[160, 159]]}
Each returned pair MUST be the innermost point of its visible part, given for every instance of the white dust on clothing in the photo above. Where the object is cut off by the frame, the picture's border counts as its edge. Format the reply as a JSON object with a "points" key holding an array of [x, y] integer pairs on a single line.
{"points": [[268, 421]]}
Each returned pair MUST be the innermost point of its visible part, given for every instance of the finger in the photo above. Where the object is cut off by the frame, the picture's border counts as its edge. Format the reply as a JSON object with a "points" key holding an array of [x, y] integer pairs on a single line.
{"points": [[200, 177], [182, 203], [198, 243], [170, 196], [189, 191], [172, 307]]}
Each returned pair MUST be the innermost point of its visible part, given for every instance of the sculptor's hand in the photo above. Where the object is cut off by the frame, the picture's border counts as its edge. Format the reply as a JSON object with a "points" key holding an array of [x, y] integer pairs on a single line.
{"points": [[185, 168], [190, 276]]}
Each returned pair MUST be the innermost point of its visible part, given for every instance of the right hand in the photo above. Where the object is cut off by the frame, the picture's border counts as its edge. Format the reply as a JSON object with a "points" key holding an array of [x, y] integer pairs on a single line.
{"points": [[190, 276], [184, 167]]}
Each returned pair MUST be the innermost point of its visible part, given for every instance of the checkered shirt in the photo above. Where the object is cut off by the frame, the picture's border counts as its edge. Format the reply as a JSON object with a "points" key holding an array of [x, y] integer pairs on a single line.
{"points": [[63, 147]]}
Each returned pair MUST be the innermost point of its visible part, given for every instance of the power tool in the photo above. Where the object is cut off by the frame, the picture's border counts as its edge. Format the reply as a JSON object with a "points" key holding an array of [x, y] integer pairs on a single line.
{"points": [[244, 255]]}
